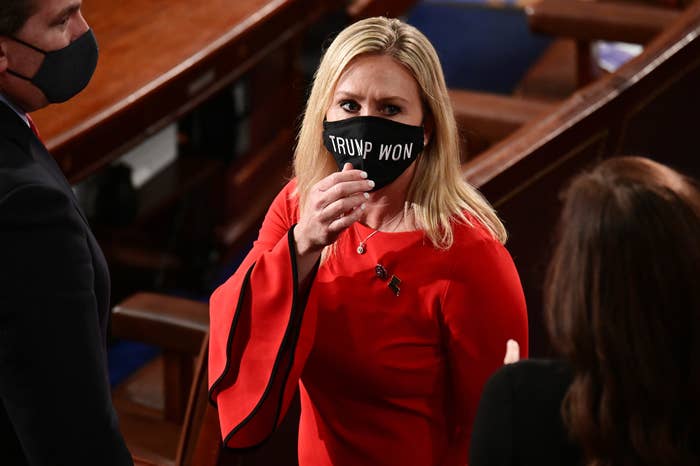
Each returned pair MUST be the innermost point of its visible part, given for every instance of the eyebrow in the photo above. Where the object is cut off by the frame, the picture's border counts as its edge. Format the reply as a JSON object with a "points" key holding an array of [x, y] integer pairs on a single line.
{"points": [[353, 96], [70, 10]]}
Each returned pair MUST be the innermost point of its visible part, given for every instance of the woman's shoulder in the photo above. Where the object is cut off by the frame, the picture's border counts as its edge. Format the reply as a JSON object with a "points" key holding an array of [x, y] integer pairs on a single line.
{"points": [[524, 400], [288, 193], [475, 248], [470, 232], [541, 367], [531, 380]]}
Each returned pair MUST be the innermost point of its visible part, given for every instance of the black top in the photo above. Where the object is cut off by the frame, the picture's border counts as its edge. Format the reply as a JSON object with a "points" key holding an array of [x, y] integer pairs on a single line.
{"points": [[519, 420], [55, 406]]}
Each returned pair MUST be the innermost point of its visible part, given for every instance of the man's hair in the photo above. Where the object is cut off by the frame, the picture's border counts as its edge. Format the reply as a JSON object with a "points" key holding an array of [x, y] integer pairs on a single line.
{"points": [[13, 15]]}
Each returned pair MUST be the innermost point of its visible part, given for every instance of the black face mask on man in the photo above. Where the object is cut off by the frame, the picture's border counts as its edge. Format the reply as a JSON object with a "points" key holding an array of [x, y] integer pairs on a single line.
{"points": [[64, 72], [383, 148]]}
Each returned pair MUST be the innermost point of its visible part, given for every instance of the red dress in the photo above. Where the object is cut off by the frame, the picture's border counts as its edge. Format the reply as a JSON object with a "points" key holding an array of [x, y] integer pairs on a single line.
{"points": [[385, 378]]}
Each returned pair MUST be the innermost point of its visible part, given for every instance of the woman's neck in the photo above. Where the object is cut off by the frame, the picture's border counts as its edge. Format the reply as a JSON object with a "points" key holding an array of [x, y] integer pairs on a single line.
{"points": [[386, 207]]}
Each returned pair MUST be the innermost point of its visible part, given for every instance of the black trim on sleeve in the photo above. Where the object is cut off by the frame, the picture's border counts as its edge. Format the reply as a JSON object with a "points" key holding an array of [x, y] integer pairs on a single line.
{"points": [[289, 342], [229, 342]]}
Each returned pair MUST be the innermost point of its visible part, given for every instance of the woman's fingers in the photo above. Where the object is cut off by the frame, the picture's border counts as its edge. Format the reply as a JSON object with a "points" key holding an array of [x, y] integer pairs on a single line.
{"points": [[512, 352], [341, 223], [335, 203], [342, 190], [339, 177], [342, 206]]}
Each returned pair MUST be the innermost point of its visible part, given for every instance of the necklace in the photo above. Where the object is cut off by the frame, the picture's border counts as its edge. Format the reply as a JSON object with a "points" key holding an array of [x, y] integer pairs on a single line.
{"points": [[361, 247]]}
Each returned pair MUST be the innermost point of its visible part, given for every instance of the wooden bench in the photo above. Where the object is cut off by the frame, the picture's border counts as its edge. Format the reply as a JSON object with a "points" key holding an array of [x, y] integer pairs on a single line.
{"points": [[648, 107]]}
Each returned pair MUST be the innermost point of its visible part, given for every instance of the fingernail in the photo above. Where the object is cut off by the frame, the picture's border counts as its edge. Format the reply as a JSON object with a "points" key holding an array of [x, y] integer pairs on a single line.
{"points": [[362, 206], [370, 183], [363, 174], [366, 195]]}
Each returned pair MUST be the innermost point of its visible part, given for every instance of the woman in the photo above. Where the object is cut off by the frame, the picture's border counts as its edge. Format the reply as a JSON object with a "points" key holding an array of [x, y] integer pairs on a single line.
{"points": [[383, 287], [623, 309]]}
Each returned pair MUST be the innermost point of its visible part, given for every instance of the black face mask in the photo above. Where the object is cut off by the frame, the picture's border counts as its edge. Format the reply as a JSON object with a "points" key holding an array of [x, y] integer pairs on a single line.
{"points": [[64, 72], [383, 148]]}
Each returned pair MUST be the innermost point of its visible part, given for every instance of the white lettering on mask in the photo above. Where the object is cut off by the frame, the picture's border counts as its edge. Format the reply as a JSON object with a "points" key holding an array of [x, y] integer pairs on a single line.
{"points": [[350, 147], [395, 151], [341, 145]]}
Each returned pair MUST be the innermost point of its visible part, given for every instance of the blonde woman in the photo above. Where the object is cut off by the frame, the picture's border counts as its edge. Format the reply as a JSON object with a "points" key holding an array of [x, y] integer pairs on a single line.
{"points": [[379, 284]]}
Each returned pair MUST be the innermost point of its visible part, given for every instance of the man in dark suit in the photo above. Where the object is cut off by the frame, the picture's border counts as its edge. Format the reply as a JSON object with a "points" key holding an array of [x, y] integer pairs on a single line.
{"points": [[55, 405]]}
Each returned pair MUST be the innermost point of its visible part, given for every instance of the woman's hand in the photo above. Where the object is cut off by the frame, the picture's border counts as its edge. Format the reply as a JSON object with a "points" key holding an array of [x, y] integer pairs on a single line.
{"points": [[334, 203], [512, 352]]}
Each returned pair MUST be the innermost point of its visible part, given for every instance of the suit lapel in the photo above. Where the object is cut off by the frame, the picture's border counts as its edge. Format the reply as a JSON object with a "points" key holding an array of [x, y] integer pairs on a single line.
{"points": [[17, 130], [43, 158]]}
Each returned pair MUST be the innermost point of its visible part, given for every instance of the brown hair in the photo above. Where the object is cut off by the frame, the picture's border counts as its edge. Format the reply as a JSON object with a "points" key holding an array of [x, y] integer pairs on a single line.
{"points": [[623, 307], [13, 15]]}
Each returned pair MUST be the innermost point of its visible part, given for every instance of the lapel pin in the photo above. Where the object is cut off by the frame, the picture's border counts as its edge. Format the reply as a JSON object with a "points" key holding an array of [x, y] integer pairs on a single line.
{"points": [[394, 284]]}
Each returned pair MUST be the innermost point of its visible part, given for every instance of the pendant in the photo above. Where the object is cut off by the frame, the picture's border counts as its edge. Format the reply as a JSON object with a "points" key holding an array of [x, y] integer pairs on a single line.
{"points": [[361, 249]]}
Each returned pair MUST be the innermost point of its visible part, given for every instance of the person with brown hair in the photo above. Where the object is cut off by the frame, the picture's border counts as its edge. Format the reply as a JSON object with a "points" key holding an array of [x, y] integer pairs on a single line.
{"points": [[623, 310]]}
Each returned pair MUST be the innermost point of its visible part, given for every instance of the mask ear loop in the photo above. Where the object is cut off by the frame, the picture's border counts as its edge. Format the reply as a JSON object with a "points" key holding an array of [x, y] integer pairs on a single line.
{"points": [[26, 44], [21, 76]]}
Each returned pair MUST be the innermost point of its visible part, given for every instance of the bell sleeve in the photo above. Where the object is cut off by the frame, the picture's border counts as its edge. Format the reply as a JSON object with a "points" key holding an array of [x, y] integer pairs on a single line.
{"points": [[261, 334], [483, 307]]}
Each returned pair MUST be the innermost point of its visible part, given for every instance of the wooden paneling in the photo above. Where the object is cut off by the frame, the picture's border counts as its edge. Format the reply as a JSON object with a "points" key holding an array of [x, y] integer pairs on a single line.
{"points": [[585, 20], [359, 9], [483, 119], [648, 107], [158, 60]]}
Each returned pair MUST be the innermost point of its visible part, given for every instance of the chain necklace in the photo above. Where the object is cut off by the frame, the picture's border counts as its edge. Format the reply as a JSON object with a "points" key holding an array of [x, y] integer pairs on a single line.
{"points": [[362, 246]]}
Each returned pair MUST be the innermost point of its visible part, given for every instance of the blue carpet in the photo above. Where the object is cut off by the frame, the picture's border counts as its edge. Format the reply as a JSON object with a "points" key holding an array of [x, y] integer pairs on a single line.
{"points": [[125, 357]]}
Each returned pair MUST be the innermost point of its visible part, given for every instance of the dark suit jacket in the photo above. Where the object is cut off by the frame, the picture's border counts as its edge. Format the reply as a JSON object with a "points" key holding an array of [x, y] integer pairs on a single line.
{"points": [[519, 422], [55, 406]]}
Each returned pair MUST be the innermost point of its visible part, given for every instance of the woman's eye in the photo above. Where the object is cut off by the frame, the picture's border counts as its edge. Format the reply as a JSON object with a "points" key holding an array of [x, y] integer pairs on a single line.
{"points": [[349, 106], [391, 109]]}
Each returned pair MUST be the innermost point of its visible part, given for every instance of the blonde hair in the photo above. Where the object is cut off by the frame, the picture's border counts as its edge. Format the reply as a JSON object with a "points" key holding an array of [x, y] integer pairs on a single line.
{"points": [[438, 192]]}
